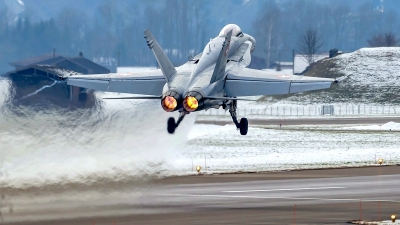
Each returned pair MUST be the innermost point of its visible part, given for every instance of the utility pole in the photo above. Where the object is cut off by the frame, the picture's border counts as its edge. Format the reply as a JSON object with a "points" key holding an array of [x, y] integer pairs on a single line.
{"points": [[294, 56], [118, 59], [279, 67]]}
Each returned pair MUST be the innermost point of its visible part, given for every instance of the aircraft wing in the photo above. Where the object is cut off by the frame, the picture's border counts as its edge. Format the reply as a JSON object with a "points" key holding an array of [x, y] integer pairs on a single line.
{"points": [[251, 82], [146, 83]]}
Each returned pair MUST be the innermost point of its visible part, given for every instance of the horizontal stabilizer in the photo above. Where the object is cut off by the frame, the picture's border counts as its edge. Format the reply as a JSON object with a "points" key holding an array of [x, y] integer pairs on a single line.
{"points": [[228, 98], [250, 82], [138, 97]]}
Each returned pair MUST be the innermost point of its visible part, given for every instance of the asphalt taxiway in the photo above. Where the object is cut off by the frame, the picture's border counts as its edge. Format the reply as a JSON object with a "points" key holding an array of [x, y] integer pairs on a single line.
{"points": [[326, 196]]}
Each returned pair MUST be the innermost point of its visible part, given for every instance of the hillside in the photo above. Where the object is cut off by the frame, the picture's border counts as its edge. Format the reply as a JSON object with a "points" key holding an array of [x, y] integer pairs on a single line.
{"points": [[368, 75]]}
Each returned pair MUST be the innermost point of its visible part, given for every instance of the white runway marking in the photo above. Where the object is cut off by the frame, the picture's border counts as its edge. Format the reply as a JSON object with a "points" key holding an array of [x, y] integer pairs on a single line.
{"points": [[285, 189], [285, 198]]}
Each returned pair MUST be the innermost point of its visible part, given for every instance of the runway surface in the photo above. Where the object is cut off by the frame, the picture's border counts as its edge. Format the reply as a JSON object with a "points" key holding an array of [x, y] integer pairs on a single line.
{"points": [[329, 196], [310, 121]]}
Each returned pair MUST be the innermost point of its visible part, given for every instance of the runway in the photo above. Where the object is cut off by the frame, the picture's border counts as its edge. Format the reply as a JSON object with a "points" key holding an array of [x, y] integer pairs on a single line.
{"points": [[329, 196], [309, 121]]}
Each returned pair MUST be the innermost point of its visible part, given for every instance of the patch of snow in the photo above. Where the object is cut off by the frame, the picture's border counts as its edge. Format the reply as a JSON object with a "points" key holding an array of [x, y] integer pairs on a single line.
{"points": [[388, 222], [387, 126], [374, 67], [262, 149], [15, 8], [105, 61], [368, 75]]}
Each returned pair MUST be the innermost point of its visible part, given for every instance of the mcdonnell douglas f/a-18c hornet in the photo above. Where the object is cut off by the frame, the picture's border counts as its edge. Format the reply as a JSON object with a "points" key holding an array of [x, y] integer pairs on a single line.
{"points": [[212, 79]]}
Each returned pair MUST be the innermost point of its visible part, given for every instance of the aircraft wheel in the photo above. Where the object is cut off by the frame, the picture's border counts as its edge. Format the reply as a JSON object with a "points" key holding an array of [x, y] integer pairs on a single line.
{"points": [[244, 126], [171, 125]]}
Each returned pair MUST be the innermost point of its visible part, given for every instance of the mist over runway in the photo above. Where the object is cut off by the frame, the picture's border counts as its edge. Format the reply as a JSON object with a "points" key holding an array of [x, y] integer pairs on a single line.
{"points": [[115, 141]]}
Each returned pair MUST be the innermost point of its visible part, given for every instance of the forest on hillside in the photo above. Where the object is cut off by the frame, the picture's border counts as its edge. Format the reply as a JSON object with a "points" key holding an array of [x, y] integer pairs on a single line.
{"points": [[112, 30]]}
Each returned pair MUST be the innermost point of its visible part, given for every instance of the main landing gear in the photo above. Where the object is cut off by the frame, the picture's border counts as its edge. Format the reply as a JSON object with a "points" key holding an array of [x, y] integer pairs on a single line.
{"points": [[171, 125], [243, 126]]}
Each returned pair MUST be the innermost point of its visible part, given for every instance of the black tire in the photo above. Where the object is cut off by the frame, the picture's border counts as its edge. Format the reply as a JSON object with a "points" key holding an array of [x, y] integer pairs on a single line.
{"points": [[244, 126], [171, 125]]}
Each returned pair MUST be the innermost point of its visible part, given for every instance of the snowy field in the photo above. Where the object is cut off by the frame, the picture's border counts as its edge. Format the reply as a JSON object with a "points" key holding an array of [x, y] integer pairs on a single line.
{"points": [[366, 76], [360, 66], [391, 126], [222, 149]]}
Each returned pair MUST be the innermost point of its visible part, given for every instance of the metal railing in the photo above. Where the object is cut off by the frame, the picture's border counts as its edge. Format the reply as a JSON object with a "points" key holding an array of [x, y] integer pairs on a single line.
{"points": [[309, 110]]}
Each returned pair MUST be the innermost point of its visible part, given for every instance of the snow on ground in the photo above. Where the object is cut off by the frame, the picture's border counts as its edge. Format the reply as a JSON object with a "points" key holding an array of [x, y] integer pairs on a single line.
{"points": [[385, 222], [387, 126], [388, 222], [368, 75], [372, 66], [223, 149]]}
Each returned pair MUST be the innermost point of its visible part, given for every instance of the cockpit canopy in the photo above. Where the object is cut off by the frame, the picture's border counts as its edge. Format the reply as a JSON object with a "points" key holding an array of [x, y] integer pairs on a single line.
{"points": [[236, 31]]}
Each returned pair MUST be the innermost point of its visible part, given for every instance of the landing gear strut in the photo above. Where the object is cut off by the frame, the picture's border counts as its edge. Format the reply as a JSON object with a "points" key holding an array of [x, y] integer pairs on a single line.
{"points": [[171, 125], [243, 126]]}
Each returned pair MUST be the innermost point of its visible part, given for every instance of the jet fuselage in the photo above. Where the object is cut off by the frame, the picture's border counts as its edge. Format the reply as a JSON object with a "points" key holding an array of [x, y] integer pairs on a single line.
{"points": [[198, 83]]}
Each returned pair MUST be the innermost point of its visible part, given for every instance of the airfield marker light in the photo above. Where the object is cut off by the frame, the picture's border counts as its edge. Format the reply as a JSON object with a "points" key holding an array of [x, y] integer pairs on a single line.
{"points": [[198, 168], [169, 103], [393, 218], [380, 161]]}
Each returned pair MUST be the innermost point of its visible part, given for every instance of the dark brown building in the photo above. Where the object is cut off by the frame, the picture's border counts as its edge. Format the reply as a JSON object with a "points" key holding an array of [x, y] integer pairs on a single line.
{"points": [[45, 76]]}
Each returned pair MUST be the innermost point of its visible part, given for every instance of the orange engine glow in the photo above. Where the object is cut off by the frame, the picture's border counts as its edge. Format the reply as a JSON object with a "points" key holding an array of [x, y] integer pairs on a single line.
{"points": [[169, 103], [191, 104]]}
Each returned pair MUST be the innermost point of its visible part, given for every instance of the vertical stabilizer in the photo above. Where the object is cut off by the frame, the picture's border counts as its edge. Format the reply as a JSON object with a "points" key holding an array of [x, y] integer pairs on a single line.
{"points": [[219, 71], [166, 66]]}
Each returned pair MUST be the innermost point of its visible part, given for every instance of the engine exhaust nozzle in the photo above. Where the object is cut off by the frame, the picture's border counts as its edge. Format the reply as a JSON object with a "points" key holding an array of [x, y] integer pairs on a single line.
{"points": [[193, 101], [190, 104], [169, 103]]}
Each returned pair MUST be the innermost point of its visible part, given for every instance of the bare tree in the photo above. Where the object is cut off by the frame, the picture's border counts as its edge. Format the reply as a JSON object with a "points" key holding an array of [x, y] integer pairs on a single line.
{"points": [[310, 44], [267, 26], [384, 40]]}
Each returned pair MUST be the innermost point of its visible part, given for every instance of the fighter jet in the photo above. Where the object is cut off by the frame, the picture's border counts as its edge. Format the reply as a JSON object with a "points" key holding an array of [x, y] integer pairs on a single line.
{"points": [[215, 78]]}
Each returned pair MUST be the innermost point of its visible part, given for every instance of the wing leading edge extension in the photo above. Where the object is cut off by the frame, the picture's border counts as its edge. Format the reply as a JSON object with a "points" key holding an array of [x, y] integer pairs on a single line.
{"points": [[250, 82], [147, 83]]}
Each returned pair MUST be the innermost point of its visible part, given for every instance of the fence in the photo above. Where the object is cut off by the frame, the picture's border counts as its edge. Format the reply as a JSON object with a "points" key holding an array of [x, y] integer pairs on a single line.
{"points": [[309, 110]]}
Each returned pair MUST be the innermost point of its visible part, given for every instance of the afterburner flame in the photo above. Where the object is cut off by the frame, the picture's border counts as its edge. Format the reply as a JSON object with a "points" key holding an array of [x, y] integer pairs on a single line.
{"points": [[191, 104], [169, 103]]}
